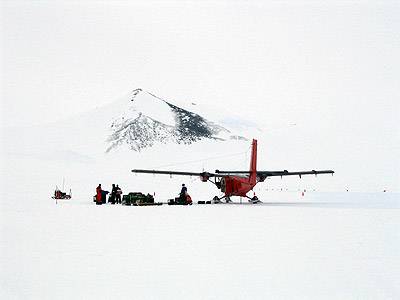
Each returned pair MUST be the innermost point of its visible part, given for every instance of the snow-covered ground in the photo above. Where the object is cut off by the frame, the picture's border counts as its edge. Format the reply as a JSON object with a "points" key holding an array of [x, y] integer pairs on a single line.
{"points": [[327, 244], [320, 248]]}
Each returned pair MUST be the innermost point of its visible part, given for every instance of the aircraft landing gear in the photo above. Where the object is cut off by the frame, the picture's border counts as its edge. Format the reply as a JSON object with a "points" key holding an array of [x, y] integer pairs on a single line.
{"points": [[216, 199], [254, 200]]}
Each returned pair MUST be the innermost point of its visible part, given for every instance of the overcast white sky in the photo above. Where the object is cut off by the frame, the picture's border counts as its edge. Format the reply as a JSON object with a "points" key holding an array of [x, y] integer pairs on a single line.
{"points": [[333, 66], [334, 62]]}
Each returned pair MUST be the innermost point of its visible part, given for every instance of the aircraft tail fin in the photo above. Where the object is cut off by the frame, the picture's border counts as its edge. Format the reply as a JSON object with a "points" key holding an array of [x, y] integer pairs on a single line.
{"points": [[253, 163]]}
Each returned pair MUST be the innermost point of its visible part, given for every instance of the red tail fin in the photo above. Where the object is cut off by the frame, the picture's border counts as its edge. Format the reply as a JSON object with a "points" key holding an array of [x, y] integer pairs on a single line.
{"points": [[253, 163]]}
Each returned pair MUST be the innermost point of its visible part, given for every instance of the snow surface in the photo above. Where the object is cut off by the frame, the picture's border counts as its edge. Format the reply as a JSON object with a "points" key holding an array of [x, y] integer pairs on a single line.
{"points": [[327, 244], [282, 250]]}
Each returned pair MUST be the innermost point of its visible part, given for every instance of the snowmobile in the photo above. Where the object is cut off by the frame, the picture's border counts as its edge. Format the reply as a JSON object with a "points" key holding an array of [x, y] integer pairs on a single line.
{"points": [[183, 199]]}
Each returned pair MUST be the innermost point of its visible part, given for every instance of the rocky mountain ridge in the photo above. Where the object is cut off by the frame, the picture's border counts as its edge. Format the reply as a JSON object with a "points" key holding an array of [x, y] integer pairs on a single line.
{"points": [[149, 120]]}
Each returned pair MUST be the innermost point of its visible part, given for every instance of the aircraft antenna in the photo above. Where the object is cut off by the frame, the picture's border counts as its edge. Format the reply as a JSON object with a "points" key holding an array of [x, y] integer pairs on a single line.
{"points": [[199, 160], [244, 163]]}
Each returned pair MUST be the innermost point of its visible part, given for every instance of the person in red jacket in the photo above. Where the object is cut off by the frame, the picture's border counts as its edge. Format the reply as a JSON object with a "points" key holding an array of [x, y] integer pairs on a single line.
{"points": [[98, 193]]}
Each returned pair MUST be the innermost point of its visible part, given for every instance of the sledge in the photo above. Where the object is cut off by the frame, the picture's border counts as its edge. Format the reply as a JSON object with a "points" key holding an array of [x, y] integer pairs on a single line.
{"points": [[59, 195], [138, 199], [147, 204]]}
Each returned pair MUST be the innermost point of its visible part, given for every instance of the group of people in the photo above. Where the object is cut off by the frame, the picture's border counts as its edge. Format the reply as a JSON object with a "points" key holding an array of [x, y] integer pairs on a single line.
{"points": [[115, 197], [116, 192]]}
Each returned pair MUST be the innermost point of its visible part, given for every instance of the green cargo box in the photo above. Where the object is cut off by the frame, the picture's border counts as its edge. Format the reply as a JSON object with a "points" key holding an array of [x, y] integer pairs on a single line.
{"points": [[136, 194], [137, 197]]}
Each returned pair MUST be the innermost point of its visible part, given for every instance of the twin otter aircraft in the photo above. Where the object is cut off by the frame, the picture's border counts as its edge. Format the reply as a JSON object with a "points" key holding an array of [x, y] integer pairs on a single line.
{"points": [[238, 183]]}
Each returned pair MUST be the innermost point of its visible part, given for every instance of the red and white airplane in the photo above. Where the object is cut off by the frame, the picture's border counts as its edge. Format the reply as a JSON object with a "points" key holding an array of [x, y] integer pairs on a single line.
{"points": [[237, 183]]}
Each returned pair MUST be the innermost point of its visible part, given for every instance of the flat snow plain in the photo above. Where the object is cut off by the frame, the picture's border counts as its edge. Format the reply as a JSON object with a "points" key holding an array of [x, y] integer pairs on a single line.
{"points": [[322, 246]]}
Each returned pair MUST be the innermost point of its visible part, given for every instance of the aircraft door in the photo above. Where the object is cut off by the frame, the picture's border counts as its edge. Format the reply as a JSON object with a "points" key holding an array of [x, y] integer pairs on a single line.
{"points": [[223, 185]]}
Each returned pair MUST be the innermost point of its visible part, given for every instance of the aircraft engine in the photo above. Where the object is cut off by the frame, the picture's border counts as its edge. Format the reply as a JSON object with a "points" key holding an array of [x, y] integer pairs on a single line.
{"points": [[204, 178]]}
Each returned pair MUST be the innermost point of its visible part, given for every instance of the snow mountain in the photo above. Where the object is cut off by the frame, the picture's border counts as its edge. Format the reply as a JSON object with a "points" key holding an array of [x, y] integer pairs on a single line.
{"points": [[147, 120]]}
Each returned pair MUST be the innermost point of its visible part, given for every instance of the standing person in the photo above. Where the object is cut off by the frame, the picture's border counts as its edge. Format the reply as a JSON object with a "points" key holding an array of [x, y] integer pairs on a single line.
{"points": [[113, 194], [118, 194], [98, 194]]}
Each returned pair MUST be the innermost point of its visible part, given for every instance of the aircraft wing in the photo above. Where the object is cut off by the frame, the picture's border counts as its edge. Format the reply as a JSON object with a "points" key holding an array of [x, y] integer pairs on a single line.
{"points": [[201, 174], [265, 174], [287, 173]]}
